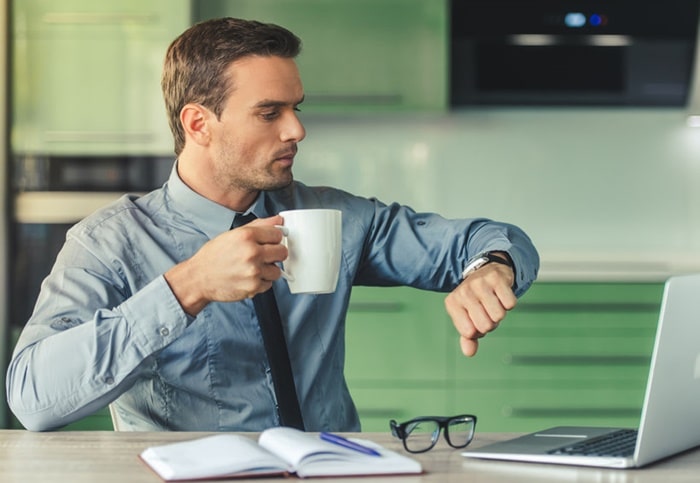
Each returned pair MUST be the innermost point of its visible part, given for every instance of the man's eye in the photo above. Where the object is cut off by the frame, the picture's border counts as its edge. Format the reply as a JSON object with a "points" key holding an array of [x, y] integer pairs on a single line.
{"points": [[269, 116]]}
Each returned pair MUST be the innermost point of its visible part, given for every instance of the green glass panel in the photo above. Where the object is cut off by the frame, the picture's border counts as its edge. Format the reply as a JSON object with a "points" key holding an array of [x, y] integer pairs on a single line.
{"points": [[86, 75], [359, 55]]}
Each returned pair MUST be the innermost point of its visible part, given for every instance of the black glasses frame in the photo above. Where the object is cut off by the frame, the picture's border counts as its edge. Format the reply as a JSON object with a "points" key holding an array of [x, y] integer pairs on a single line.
{"points": [[400, 430]]}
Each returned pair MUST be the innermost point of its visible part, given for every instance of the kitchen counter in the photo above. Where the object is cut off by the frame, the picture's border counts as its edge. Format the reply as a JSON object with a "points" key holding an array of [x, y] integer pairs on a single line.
{"points": [[590, 267]]}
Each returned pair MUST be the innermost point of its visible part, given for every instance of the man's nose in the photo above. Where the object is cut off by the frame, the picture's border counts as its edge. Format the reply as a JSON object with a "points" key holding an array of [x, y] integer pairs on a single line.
{"points": [[293, 129]]}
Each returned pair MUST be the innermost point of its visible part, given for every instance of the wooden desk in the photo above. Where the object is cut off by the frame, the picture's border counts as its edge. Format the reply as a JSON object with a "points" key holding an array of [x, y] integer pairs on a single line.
{"points": [[105, 456]]}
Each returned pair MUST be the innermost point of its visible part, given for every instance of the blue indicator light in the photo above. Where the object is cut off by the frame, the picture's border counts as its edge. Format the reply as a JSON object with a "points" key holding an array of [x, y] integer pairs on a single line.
{"points": [[595, 20], [574, 20]]}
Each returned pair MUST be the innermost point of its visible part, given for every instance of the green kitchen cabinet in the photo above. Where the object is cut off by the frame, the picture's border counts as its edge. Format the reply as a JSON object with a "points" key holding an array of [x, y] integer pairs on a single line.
{"points": [[575, 351], [377, 405], [99, 421], [569, 353], [524, 407], [397, 351], [359, 55], [86, 75], [397, 335]]}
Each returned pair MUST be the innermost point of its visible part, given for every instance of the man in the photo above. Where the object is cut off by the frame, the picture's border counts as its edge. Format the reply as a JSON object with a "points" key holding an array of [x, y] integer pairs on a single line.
{"points": [[148, 305]]}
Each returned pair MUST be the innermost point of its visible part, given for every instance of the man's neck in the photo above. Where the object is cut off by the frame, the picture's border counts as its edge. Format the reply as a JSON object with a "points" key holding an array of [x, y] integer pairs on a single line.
{"points": [[236, 200]]}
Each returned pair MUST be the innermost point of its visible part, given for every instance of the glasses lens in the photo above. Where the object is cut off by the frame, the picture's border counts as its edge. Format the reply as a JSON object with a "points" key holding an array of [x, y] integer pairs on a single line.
{"points": [[460, 431], [421, 435]]}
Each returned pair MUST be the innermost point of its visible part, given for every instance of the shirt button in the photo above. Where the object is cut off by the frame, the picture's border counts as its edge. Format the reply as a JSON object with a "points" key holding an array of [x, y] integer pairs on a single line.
{"points": [[164, 331], [109, 380]]}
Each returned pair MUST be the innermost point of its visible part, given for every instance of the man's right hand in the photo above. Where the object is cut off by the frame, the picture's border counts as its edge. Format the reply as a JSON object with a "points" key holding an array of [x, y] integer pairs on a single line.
{"points": [[233, 266]]}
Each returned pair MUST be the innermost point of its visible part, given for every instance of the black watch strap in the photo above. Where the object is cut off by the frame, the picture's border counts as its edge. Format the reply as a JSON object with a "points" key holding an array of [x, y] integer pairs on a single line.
{"points": [[485, 258], [503, 261]]}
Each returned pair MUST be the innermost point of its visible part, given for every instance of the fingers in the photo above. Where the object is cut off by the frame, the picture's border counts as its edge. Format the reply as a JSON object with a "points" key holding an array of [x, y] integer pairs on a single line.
{"points": [[241, 262], [469, 334], [269, 221], [252, 250], [480, 303], [262, 230], [258, 250], [233, 266]]}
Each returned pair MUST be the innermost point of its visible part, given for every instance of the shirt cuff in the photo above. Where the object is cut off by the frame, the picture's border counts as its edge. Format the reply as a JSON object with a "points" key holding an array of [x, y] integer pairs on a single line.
{"points": [[155, 315]]}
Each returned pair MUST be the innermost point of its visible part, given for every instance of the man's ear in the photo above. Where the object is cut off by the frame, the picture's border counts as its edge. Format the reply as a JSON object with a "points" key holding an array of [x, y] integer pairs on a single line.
{"points": [[195, 122]]}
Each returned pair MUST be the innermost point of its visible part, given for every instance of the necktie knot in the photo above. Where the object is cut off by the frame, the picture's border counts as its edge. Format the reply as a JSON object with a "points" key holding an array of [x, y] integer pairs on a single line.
{"points": [[242, 219]]}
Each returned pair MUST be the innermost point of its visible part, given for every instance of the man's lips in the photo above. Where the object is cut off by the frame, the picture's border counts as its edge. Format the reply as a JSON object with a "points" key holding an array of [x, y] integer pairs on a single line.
{"points": [[286, 155]]}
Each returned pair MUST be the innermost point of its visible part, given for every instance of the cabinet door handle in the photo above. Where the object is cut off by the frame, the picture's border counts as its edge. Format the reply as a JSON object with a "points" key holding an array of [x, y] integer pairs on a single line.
{"points": [[383, 307], [355, 99], [97, 18], [387, 413], [98, 137], [576, 360], [543, 412], [59, 206], [566, 307]]}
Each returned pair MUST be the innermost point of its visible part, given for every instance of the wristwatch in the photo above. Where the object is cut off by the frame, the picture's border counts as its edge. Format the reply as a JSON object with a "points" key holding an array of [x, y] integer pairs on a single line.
{"points": [[480, 260]]}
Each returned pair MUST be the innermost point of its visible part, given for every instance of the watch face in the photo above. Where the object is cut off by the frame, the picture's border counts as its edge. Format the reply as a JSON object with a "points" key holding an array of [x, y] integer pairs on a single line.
{"points": [[474, 265], [482, 260]]}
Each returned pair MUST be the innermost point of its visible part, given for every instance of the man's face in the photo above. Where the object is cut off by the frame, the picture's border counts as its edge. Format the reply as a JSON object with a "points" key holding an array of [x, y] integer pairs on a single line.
{"points": [[255, 140]]}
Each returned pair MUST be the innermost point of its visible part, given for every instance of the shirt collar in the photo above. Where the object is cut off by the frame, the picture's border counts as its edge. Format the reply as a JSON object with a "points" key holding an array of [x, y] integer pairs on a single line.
{"points": [[210, 217]]}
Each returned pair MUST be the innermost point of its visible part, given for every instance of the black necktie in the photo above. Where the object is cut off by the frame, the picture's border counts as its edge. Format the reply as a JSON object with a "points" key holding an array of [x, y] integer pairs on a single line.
{"points": [[276, 349]]}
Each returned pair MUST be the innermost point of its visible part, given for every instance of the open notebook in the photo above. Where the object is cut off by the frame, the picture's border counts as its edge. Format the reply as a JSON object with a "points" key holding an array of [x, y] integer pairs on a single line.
{"points": [[670, 421], [278, 452]]}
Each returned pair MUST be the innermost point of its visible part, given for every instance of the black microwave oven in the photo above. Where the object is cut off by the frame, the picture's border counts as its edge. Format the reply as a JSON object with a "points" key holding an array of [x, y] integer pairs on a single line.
{"points": [[572, 52]]}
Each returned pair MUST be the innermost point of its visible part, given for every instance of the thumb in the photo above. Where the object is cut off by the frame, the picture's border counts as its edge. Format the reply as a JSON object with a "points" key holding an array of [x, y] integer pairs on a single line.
{"points": [[468, 346]]}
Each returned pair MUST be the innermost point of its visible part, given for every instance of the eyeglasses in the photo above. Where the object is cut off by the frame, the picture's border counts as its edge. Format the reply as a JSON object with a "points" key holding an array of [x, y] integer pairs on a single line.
{"points": [[421, 434]]}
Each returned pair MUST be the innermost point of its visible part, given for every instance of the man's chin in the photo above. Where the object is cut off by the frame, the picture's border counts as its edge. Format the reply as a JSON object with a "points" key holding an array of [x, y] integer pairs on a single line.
{"points": [[279, 183]]}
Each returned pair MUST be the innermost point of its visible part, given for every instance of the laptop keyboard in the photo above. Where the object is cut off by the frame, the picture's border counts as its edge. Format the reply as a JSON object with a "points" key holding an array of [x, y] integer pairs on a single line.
{"points": [[618, 443]]}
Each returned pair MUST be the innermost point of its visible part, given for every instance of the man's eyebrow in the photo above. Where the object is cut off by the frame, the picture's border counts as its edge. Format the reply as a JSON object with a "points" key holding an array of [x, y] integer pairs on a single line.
{"points": [[267, 103]]}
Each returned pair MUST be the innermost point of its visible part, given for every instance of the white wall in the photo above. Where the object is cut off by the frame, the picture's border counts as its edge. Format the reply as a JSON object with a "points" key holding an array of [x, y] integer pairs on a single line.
{"points": [[604, 193]]}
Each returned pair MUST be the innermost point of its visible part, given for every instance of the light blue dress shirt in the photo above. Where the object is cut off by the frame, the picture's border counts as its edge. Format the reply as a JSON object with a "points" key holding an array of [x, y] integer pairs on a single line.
{"points": [[107, 328]]}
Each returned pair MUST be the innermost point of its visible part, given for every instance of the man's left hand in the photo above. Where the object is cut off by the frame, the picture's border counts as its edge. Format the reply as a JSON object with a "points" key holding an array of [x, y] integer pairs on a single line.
{"points": [[480, 302]]}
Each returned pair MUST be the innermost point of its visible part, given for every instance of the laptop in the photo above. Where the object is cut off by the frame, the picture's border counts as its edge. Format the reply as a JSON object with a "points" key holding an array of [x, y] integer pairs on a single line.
{"points": [[670, 421]]}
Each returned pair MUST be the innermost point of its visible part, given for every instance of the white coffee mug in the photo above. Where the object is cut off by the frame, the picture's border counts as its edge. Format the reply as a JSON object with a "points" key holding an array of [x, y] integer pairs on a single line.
{"points": [[314, 240]]}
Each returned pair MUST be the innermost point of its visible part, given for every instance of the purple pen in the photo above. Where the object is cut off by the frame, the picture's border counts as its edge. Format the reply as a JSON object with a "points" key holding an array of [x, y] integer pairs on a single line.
{"points": [[346, 443]]}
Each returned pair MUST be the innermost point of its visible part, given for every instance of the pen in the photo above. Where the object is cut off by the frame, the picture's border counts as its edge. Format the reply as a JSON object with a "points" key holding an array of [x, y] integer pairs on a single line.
{"points": [[346, 443]]}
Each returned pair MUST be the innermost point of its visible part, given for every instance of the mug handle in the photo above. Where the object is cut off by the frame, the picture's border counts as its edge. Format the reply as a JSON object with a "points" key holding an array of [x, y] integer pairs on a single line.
{"points": [[285, 233]]}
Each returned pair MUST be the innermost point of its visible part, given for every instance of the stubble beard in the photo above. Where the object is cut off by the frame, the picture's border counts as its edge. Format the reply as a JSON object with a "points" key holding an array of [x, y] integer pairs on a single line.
{"points": [[250, 177], [267, 179]]}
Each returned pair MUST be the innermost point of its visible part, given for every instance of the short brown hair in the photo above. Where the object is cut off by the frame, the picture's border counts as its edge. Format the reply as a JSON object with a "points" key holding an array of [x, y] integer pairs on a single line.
{"points": [[196, 61]]}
